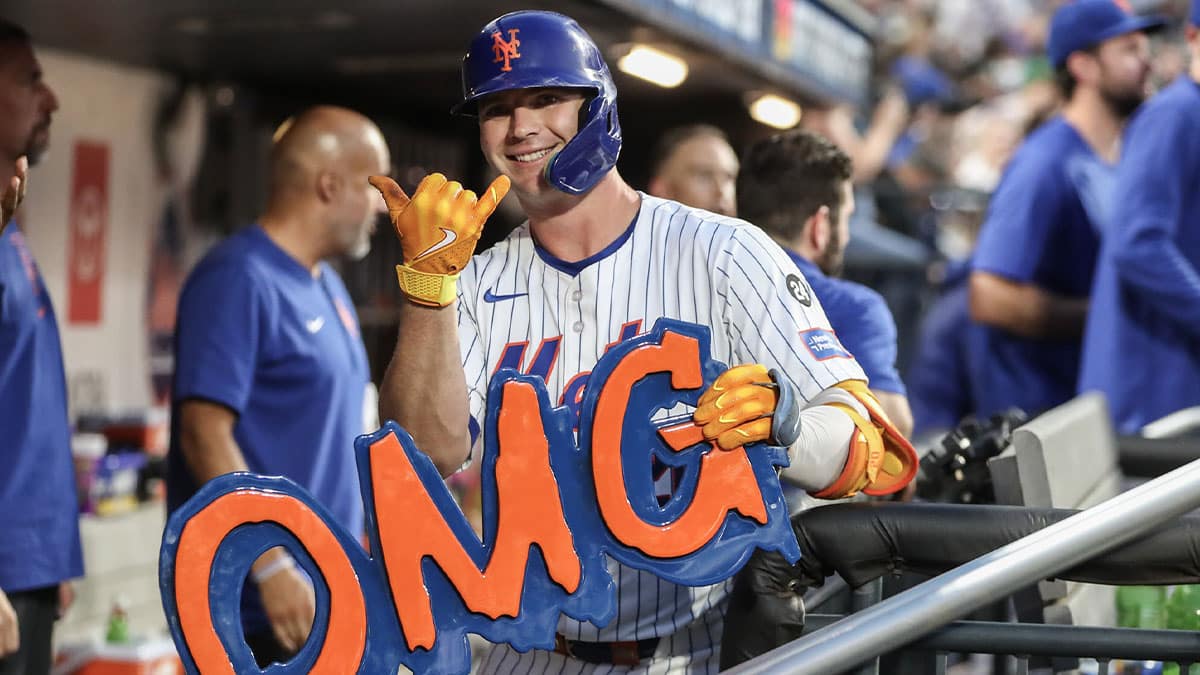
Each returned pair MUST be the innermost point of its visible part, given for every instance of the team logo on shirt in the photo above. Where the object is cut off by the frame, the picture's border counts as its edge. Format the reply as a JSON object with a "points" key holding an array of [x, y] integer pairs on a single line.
{"points": [[490, 297], [555, 506], [506, 50], [799, 290], [31, 272], [824, 344], [347, 317]]}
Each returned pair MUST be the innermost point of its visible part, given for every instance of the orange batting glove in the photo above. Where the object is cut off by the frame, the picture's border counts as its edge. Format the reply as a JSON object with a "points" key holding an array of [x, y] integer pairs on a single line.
{"points": [[438, 229], [747, 404]]}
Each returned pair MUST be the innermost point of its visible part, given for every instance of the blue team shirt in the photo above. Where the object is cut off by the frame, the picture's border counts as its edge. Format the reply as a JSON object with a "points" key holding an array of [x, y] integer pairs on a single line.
{"points": [[939, 381], [260, 335], [862, 321], [39, 509], [1142, 346], [1040, 229]]}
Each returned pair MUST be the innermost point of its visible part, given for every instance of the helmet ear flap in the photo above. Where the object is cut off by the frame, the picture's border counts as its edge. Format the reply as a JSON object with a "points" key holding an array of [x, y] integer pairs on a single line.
{"points": [[583, 110]]}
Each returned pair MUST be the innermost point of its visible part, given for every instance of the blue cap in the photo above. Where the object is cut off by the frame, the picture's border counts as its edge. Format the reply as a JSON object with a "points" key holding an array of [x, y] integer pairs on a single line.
{"points": [[1083, 24], [922, 81], [1196, 12]]}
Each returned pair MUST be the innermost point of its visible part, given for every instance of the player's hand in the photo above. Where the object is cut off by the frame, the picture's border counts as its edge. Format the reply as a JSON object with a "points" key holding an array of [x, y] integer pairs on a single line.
{"points": [[438, 228], [14, 192], [439, 225], [10, 638], [290, 604], [748, 404]]}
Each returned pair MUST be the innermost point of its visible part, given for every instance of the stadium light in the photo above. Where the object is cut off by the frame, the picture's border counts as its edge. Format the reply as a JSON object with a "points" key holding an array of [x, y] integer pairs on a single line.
{"points": [[775, 111], [654, 65]]}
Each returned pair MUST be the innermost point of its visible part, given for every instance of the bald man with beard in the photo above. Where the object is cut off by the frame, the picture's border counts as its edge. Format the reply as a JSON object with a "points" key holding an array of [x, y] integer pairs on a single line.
{"points": [[270, 369], [26, 105], [40, 549]]}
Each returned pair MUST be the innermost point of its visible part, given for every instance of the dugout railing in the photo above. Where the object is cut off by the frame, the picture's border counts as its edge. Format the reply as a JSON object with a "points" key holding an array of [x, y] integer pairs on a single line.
{"points": [[926, 615]]}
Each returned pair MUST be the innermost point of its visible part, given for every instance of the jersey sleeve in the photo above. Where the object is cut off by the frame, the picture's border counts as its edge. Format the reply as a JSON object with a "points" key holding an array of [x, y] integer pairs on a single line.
{"points": [[1151, 187], [220, 319], [772, 316], [1021, 215]]}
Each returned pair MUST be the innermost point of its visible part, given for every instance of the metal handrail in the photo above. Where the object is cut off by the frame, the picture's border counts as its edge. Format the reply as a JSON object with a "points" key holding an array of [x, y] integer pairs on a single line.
{"points": [[995, 637], [1178, 423], [921, 609]]}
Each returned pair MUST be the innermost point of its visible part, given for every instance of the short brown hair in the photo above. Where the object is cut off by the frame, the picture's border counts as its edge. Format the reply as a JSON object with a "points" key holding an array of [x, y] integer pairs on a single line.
{"points": [[787, 178], [11, 32]]}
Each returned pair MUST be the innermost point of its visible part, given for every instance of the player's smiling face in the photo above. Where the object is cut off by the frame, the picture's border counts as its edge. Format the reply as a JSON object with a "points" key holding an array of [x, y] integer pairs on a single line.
{"points": [[521, 130]]}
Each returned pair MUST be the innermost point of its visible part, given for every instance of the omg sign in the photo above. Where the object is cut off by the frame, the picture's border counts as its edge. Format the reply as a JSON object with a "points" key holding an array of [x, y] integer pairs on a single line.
{"points": [[555, 509]]}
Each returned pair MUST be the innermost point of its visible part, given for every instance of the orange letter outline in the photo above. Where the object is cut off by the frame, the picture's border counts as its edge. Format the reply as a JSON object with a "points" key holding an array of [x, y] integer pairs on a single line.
{"points": [[730, 504]]}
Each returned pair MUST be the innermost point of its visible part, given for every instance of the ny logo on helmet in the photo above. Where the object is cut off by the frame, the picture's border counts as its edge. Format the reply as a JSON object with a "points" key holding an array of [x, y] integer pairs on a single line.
{"points": [[506, 49]]}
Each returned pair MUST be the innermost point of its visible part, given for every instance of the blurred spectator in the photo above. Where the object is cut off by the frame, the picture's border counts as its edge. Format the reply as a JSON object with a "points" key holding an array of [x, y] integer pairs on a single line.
{"points": [[39, 525], [695, 165], [868, 150], [1032, 271], [796, 187], [1142, 347], [964, 29], [270, 367]]}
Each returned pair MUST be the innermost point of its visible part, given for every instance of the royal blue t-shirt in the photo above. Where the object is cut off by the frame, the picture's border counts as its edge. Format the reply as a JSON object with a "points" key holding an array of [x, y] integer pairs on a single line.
{"points": [[39, 509], [1041, 229], [258, 333], [939, 381], [1142, 346], [862, 321]]}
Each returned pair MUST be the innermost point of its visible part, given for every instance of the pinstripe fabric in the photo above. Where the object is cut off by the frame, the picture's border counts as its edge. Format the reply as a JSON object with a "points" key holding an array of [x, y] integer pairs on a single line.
{"points": [[556, 319]]}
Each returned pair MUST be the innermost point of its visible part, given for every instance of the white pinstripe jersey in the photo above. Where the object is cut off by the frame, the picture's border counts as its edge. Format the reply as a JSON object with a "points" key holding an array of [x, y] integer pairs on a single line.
{"points": [[521, 307]]}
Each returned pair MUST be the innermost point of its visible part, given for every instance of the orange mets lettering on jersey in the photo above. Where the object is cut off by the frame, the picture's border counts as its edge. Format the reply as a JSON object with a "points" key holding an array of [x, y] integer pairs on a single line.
{"points": [[506, 50]]}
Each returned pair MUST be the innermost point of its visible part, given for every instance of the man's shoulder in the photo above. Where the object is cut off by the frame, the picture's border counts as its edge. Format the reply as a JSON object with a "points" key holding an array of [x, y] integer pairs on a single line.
{"points": [[660, 210], [850, 298], [686, 226], [1182, 94], [1176, 107], [233, 262], [1044, 149]]}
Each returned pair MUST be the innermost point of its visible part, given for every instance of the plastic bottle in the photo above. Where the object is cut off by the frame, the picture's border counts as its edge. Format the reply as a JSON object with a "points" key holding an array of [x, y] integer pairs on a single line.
{"points": [[1141, 607], [1183, 613], [118, 623]]}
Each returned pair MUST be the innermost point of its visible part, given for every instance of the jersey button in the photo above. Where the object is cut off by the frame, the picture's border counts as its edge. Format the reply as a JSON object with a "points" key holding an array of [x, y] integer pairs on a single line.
{"points": [[578, 327], [577, 295]]}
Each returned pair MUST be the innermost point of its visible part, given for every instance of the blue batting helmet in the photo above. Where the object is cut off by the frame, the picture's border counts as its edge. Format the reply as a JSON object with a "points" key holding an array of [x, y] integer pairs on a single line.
{"points": [[529, 49]]}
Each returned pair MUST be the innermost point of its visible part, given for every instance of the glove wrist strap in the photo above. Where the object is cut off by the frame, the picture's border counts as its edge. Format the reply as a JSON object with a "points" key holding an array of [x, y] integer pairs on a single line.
{"points": [[424, 288]]}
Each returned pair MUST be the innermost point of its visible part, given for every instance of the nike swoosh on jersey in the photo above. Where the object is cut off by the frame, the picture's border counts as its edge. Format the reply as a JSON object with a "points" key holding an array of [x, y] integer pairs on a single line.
{"points": [[448, 237], [488, 296], [314, 325]]}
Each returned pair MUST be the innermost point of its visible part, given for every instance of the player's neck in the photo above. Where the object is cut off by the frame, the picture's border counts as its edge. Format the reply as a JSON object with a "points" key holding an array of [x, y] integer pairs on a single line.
{"points": [[583, 226], [1096, 123], [298, 237], [1193, 46]]}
